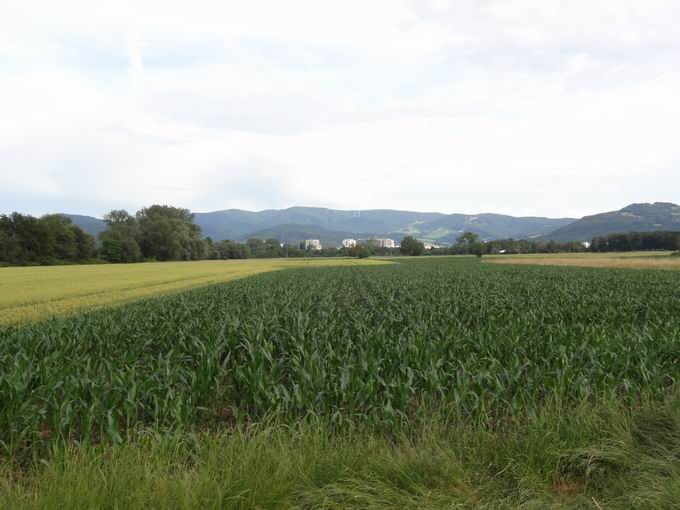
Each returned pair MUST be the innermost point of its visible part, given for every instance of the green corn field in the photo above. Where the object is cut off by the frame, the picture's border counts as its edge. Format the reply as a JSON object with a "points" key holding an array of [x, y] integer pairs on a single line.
{"points": [[378, 346]]}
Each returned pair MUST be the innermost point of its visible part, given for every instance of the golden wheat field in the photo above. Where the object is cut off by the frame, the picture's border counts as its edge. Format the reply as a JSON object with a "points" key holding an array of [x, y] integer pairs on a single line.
{"points": [[631, 260], [33, 293]]}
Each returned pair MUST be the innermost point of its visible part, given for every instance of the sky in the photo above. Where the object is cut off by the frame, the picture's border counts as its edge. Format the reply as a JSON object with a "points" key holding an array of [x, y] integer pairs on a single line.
{"points": [[556, 108]]}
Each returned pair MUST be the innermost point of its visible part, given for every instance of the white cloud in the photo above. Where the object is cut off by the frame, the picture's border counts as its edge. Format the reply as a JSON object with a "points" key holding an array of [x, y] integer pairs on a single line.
{"points": [[555, 107]]}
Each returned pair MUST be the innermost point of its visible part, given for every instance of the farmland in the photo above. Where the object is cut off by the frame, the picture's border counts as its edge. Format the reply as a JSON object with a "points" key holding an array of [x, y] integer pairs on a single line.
{"points": [[626, 260], [476, 385], [32, 293]]}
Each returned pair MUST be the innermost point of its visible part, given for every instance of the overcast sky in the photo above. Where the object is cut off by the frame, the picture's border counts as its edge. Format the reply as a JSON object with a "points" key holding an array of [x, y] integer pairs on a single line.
{"points": [[525, 107]]}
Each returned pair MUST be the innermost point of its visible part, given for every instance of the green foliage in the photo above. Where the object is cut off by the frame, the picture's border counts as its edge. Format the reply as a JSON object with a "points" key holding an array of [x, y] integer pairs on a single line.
{"points": [[52, 239], [471, 385], [375, 345], [477, 249], [119, 240], [468, 238], [637, 241], [169, 233], [271, 248], [411, 246], [232, 250], [360, 251]]}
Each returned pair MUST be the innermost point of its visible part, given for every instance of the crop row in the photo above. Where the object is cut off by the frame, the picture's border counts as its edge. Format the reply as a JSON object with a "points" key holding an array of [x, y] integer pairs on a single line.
{"points": [[374, 344]]}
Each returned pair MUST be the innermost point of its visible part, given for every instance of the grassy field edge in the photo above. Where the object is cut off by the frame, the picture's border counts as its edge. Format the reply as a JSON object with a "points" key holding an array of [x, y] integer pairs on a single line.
{"points": [[595, 453]]}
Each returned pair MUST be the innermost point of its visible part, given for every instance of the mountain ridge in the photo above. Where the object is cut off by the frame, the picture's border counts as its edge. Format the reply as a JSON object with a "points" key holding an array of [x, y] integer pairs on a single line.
{"points": [[299, 222], [239, 224], [637, 217]]}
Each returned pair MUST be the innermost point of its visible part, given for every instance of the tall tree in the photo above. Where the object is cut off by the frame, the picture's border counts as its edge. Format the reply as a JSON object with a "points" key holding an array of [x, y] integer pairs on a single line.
{"points": [[411, 246], [169, 233], [119, 240], [468, 238], [48, 240]]}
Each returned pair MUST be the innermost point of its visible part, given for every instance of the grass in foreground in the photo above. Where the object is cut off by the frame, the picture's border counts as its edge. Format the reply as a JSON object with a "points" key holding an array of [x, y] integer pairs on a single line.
{"points": [[595, 455], [34, 293], [629, 260]]}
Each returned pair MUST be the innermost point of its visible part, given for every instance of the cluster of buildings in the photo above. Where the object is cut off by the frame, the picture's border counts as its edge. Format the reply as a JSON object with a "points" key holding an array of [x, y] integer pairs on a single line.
{"points": [[376, 242]]}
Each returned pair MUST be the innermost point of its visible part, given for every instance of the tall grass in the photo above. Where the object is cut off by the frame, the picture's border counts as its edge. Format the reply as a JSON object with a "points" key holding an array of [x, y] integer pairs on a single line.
{"points": [[599, 453]]}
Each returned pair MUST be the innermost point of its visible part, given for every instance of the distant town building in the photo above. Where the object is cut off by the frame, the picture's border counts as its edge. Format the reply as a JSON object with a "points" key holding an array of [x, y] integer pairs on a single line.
{"points": [[315, 244], [378, 242], [349, 243], [586, 244], [430, 246]]}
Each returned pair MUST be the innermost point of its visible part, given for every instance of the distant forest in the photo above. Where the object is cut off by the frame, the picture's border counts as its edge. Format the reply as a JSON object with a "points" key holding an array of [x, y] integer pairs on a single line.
{"points": [[165, 233]]}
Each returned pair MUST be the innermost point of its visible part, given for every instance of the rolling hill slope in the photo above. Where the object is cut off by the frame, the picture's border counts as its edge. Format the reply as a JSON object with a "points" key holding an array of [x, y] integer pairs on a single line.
{"points": [[633, 218], [296, 223]]}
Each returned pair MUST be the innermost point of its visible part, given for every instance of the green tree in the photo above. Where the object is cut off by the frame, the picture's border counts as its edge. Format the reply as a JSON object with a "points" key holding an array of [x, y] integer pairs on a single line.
{"points": [[274, 248], [169, 233], [119, 240], [48, 240], [467, 238], [411, 246], [360, 251], [232, 250], [477, 249], [258, 248], [211, 252]]}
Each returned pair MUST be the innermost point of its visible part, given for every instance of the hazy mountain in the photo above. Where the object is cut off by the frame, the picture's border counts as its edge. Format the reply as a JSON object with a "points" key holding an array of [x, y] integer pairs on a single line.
{"points": [[331, 226], [297, 223], [634, 218], [488, 226], [237, 224], [89, 224]]}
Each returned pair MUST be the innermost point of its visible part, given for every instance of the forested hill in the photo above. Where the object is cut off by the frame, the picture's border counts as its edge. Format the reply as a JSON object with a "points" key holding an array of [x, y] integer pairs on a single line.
{"points": [[634, 218], [314, 222], [296, 223]]}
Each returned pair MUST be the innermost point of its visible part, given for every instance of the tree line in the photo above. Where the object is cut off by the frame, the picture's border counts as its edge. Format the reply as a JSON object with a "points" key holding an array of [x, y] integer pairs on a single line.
{"points": [[51, 239], [155, 233], [469, 243], [164, 233], [637, 241]]}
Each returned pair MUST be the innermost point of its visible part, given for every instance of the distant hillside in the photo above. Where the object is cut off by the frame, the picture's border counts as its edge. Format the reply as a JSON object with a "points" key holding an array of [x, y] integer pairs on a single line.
{"points": [[488, 226], [634, 218], [239, 224], [89, 224], [297, 223]]}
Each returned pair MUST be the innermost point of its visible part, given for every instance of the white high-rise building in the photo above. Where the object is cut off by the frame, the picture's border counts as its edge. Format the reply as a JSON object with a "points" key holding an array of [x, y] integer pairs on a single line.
{"points": [[349, 243], [314, 243], [382, 242]]}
